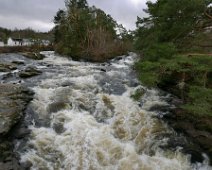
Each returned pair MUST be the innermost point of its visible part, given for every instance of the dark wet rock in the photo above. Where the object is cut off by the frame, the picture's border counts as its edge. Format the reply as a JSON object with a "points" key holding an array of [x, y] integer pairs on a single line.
{"points": [[18, 62], [29, 72], [5, 150], [21, 133], [67, 83], [103, 70], [6, 67], [33, 55], [161, 108], [58, 127], [119, 58], [197, 129], [13, 101]]}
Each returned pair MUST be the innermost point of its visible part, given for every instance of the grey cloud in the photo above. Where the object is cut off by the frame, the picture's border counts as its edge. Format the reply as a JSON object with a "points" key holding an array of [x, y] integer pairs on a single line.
{"points": [[39, 14]]}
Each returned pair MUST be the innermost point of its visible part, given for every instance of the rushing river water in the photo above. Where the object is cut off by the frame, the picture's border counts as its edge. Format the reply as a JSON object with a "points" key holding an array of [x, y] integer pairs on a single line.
{"points": [[83, 117]]}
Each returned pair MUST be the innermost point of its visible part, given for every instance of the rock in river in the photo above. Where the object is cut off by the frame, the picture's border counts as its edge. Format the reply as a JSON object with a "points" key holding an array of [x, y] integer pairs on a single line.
{"points": [[13, 101], [5, 67], [29, 72], [34, 56]]}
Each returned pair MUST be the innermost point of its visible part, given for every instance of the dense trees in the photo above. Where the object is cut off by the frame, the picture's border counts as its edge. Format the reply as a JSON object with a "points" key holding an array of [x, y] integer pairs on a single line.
{"points": [[167, 40], [87, 32]]}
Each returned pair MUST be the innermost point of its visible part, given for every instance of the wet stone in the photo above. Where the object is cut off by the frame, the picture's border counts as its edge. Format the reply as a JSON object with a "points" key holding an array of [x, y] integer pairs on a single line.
{"points": [[58, 127], [29, 72], [6, 67], [18, 62]]}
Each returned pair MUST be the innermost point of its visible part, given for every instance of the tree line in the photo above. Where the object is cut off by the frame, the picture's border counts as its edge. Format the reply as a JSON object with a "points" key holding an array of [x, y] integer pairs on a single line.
{"points": [[27, 33]]}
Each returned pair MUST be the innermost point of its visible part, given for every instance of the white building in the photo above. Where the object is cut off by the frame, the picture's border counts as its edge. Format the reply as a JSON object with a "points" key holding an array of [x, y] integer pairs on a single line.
{"points": [[14, 42], [26, 42]]}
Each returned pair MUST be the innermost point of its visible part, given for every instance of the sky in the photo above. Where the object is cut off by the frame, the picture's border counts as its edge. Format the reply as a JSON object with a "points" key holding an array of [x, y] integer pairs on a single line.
{"points": [[39, 14]]}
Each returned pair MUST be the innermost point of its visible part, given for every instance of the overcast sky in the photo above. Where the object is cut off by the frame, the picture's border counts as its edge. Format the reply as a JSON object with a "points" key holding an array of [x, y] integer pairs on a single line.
{"points": [[39, 14]]}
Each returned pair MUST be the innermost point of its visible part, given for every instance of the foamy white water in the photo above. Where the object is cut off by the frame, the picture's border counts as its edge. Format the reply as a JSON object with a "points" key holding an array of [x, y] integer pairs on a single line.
{"points": [[91, 121]]}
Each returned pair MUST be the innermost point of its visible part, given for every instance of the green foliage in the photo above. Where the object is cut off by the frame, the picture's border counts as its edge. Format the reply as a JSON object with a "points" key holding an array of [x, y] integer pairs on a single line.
{"points": [[192, 71], [158, 51], [170, 21], [201, 99], [148, 72]]}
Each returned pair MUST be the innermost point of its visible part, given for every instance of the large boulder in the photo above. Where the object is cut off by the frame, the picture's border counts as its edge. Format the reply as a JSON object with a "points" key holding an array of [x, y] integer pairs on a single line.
{"points": [[13, 101]]}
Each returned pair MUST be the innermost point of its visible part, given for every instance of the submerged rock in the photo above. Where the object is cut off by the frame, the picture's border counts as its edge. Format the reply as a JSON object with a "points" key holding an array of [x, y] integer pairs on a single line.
{"points": [[29, 72]]}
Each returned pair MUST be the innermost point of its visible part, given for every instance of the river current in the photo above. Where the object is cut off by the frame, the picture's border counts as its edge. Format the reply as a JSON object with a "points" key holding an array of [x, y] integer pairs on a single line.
{"points": [[83, 117]]}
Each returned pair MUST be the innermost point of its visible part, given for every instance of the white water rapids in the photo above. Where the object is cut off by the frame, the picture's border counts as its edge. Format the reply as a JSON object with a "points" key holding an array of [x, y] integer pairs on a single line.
{"points": [[90, 121]]}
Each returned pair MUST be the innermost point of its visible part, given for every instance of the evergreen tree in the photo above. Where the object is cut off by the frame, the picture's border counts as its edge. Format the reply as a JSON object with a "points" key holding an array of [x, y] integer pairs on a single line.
{"points": [[170, 21]]}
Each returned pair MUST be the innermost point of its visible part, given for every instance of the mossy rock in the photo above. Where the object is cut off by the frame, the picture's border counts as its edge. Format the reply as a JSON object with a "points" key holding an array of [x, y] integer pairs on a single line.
{"points": [[6, 67], [33, 55], [138, 94], [29, 72]]}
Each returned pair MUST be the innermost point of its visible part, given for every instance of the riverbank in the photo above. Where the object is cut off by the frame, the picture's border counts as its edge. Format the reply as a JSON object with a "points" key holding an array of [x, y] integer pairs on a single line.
{"points": [[18, 49], [189, 79]]}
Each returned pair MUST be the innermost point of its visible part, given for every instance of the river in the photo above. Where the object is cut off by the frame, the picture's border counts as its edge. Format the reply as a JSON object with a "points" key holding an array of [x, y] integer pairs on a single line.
{"points": [[83, 117]]}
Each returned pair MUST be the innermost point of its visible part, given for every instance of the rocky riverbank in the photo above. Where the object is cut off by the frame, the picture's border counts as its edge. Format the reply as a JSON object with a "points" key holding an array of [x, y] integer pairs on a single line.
{"points": [[15, 69], [13, 101], [196, 127]]}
